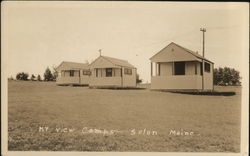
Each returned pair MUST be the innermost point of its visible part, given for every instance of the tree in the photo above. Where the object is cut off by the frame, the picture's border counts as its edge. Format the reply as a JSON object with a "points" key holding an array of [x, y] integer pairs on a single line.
{"points": [[226, 76], [39, 78], [48, 75], [138, 80], [22, 76], [32, 78]]}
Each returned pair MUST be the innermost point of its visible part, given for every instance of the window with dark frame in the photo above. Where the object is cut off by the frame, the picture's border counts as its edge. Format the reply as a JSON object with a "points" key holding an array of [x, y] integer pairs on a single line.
{"points": [[207, 67], [127, 71], [195, 67], [159, 69], [179, 68], [108, 72], [71, 73], [96, 72], [86, 72], [201, 67]]}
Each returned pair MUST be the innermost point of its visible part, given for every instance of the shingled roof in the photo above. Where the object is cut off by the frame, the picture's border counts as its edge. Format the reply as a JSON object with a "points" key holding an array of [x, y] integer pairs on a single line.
{"points": [[65, 65], [118, 62]]}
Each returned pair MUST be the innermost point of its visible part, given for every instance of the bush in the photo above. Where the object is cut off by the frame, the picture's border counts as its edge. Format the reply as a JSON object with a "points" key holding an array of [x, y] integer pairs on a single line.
{"points": [[39, 78], [226, 76], [32, 78], [22, 76]]}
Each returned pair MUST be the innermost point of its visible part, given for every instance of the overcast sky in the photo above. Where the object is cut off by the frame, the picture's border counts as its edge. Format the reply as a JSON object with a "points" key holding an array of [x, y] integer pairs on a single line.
{"points": [[40, 34]]}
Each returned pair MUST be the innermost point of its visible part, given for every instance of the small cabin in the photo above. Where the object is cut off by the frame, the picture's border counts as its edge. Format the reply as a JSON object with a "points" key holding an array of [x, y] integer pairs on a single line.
{"points": [[72, 73], [178, 68], [108, 72]]}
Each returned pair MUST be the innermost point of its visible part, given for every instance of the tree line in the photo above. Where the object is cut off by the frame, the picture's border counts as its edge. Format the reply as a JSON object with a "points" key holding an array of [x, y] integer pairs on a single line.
{"points": [[226, 76], [47, 76], [222, 76]]}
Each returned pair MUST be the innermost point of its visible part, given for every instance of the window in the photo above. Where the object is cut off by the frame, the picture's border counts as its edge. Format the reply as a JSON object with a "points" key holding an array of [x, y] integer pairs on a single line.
{"points": [[71, 73], [86, 72], [195, 67], [158, 69], [207, 67], [108, 72], [179, 68], [96, 72], [201, 68], [127, 71]]}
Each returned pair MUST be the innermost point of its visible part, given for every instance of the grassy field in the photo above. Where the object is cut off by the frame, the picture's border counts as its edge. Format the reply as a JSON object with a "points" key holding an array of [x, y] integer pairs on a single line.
{"points": [[140, 120]]}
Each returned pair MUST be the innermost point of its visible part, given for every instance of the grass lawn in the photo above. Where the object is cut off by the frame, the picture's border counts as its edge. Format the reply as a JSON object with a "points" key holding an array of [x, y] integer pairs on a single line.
{"points": [[140, 120]]}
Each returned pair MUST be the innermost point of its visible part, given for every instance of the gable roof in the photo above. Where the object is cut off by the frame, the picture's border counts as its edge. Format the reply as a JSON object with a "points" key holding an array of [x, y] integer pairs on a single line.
{"points": [[185, 49], [115, 61], [65, 65]]}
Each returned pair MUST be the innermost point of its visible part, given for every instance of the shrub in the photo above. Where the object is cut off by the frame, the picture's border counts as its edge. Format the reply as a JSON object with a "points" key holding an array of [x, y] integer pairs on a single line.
{"points": [[39, 78], [22, 76], [32, 78]]}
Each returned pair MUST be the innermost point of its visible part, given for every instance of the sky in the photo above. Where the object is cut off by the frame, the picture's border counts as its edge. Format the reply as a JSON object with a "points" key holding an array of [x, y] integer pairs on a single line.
{"points": [[37, 35]]}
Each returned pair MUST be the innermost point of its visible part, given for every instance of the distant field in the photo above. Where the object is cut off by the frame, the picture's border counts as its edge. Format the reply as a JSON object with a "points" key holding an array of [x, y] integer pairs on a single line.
{"points": [[210, 123]]}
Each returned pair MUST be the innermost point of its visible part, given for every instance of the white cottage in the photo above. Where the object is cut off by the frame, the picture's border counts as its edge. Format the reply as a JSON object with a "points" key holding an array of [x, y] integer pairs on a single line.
{"points": [[71, 73], [110, 72], [178, 68]]}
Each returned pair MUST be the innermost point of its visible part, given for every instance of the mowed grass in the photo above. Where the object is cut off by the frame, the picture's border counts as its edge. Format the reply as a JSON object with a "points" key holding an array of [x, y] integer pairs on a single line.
{"points": [[214, 120]]}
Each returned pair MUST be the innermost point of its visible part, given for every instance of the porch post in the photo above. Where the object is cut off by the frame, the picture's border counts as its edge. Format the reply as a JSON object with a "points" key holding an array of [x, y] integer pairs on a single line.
{"points": [[121, 76], [79, 76], [156, 74], [159, 69], [151, 69], [213, 76]]}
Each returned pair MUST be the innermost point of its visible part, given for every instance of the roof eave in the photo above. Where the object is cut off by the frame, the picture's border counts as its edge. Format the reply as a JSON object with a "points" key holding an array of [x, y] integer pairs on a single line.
{"points": [[187, 50]]}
